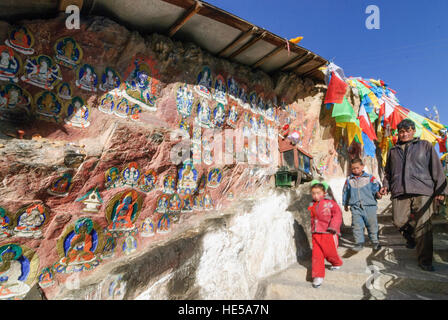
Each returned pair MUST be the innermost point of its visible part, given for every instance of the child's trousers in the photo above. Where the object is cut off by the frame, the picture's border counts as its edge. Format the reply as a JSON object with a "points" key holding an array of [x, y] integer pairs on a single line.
{"points": [[324, 247], [364, 217]]}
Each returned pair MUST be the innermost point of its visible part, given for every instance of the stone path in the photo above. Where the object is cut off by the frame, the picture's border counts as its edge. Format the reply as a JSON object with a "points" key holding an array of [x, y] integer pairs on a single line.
{"points": [[390, 273]]}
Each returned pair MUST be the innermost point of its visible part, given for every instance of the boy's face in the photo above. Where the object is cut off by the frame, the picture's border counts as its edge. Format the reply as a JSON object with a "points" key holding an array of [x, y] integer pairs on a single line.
{"points": [[357, 169], [317, 194]]}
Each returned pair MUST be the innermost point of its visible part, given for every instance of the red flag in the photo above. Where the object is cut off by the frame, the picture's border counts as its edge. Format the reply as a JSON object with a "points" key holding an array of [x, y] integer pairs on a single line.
{"points": [[365, 124], [336, 89], [399, 114]]}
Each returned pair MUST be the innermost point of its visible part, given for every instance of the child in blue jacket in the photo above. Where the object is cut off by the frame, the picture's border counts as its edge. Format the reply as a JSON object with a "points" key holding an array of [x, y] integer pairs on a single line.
{"points": [[361, 191]]}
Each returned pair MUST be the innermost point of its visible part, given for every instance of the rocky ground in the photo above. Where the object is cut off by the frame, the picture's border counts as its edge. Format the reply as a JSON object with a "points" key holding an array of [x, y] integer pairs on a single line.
{"points": [[391, 273]]}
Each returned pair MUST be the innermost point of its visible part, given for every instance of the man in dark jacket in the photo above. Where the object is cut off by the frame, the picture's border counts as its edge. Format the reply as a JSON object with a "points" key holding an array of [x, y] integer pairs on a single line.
{"points": [[414, 176]]}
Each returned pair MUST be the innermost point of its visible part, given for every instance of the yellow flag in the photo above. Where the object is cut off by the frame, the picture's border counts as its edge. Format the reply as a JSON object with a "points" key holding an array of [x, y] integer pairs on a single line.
{"points": [[296, 40], [428, 136], [352, 131], [435, 126]]}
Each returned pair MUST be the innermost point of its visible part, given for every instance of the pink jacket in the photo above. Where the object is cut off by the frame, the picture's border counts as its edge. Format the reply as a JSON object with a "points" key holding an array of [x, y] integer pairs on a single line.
{"points": [[325, 216]]}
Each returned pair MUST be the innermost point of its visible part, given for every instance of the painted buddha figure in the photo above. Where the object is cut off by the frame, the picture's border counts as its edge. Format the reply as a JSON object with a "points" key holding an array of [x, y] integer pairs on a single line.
{"points": [[253, 102], [61, 186], [11, 272], [131, 175], [163, 203], [48, 106], [220, 90], [203, 117], [122, 109], [41, 72], [46, 278], [174, 203], [5, 221], [64, 91], [30, 221], [233, 116], [148, 181], [214, 178], [112, 178], [204, 83], [15, 100], [87, 78], [233, 88], [21, 40], [68, 52], [147, 228], [164, 224], [198, 202], [78, 113], [80, 249], [129, 245], [139, 85], [9, 65], [208, 202], [242, 98], [123, 214], [184, 100], [110, 80], [188, 177], [218, 115], [187, 203], [169, 184], [107, 104]]}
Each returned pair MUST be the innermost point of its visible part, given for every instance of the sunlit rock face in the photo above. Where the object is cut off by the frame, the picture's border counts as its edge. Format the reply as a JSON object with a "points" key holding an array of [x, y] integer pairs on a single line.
{"points": [[98, 199]]}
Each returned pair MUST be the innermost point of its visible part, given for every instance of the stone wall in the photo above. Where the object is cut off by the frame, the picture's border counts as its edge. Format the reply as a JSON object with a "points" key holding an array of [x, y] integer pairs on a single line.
{"points": [[98, 198]]}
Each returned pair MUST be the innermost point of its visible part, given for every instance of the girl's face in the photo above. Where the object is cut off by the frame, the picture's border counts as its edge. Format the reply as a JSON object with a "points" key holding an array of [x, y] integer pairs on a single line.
{"points": [[317, 194]]}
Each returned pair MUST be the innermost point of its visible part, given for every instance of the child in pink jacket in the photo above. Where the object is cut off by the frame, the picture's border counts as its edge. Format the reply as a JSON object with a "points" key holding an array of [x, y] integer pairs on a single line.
{"points": [[326, 220]]}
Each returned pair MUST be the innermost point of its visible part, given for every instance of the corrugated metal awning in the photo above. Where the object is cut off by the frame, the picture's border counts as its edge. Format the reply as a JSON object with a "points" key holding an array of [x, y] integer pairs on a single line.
{"points": [[215, 30]]}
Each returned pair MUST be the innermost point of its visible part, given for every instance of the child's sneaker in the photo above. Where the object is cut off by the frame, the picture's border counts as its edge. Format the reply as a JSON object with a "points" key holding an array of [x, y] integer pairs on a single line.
{"points": [[333, 268], [317, 282], [376, 246]]}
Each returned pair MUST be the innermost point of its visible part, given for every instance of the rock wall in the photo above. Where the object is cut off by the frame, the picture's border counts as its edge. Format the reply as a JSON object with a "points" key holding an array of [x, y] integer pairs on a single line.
{"points": [[118, 180]]}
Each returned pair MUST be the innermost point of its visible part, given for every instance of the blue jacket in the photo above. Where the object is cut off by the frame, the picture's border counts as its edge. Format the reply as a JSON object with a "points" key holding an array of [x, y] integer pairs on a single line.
{"points": [[360, 191]]}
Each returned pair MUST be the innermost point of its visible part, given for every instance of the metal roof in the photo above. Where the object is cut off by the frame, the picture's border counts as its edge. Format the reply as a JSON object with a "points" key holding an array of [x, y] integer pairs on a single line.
{"points": [[215, 30]]}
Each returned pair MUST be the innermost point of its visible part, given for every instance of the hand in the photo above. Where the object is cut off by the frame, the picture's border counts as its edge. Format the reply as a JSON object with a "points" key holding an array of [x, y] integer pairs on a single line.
{"points": [[384, 191], [346, 208], [378, 195], [440, 197]]}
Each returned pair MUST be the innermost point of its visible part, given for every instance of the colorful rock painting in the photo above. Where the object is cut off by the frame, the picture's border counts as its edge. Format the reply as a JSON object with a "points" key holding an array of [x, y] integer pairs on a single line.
{"points": [[110, 80], [214, 178], [21, 40], [184, 100], [18, 269], [68, 53], [148, 181], [15, 102], [64, 91], [187, 178], [41, 71], [204, 83], [48, 106], [92, 201], [78, 113], [10, 65], [122, 211], [220, 90], [148, 229], [61, 187], [79, 247], [29, 221], [86, 78]]}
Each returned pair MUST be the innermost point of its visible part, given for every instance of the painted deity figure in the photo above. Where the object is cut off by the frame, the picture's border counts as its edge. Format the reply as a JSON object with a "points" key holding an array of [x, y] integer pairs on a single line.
{"points": [[203, 114], [164, 224], [187, 203], [184, 100], [148, 181], [61, 186], [46, 278], [86, 78], [169, 184], [107, 104], [112, 177], [80, 248], [9, 65], [12, 284], [124, 214], [68, 52], [207, 154], [109, 246], [208, 202], [129, 245], [220, 90], [242, 98], [254, 125], [110, 80], [233, 88], [175, 203], [42, 72], [198, 202], [30, 221], [131, 175], [140, 86], [253, 102], [64, 91], [21, 40], [122, 109], [261, 127], [78, 113], [48, 106], [162, 203], [204, 83], [148, 229], [187, 178], [261, 106], [218, 115], [5, 222], [233, 116], [15, 102], [214, 178]]}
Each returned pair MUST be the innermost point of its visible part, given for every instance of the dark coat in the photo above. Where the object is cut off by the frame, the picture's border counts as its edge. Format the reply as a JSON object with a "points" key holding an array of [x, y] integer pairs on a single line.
{"points": [[415, 170]]}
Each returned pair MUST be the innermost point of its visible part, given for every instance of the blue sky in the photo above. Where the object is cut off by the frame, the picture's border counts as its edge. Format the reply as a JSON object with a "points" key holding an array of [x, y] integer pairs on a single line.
{"points": [[408, 51]]}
